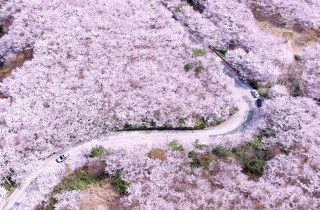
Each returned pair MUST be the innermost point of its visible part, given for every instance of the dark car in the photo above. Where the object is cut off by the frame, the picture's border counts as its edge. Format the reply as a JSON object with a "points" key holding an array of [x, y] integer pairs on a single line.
{"points": [[259, 102], [243, 79]]}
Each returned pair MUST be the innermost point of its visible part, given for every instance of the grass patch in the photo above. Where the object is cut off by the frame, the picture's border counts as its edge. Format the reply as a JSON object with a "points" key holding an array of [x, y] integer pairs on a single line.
{"points": [[254, 166], [222, 53], [199, 126], [217, 122], [174, 145], [252, 159], [255, 143], [197, 145], [8, 187], [120, 185], [24, 55], [233, 110], [263, 92], [222, 152], [251, 156], [287, 35], [97, 151], [200, 159], [78, 180], [197, 52], [188, 67], [311, 37], [207, 160], [199, 69], [5, 71], [195, 163], [21, 57]]}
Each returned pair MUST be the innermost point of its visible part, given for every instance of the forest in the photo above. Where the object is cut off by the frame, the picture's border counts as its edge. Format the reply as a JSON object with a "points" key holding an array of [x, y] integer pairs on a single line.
{"points": [[73, 70]]}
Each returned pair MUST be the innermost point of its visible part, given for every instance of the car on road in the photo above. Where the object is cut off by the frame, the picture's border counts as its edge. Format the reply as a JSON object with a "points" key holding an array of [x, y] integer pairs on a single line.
{"points": [[255, 93], [259, 102], [243, 79], [62, 158]]}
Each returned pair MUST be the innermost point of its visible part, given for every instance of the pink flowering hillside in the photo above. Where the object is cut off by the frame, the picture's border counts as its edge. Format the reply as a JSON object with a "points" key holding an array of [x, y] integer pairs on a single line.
{"points": [[231, 26], [295, 14], [98, 66]]}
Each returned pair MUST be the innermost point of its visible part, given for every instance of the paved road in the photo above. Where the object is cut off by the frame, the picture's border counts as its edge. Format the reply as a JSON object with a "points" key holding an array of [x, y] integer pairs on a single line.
{"points": [[236, 123], [130, 138]]}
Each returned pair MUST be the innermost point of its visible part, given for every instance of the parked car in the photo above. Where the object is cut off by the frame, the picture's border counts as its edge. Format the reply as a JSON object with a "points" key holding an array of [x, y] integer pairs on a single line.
{"points": [[255, 93], [62, 158], [243, 79], [259, 102]]}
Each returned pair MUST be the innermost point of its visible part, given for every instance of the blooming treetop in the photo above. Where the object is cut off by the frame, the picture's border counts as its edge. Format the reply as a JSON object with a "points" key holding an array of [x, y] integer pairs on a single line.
{"points": [[97, 66]]}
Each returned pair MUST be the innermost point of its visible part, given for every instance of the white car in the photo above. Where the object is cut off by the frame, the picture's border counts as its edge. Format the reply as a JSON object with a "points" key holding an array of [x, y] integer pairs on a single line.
{"points": [[255, 93], [62, 158]]}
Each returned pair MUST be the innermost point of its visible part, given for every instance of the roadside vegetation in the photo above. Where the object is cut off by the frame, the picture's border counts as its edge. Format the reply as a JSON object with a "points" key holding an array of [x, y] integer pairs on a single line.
{"points": [[97, 151], [162, 77], [93, 174], [191, 170], [119, 184], [9, 187], [153, 126], [174, 145], [251, 156], [78, 180], [14, 61], [199, 52], [1, 31], [155, 65], [200, 123], [222, 53]]}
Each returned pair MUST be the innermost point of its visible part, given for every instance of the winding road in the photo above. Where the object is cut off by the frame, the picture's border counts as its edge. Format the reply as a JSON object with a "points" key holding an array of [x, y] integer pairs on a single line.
{"points": [[236, 123], [241, 119]]}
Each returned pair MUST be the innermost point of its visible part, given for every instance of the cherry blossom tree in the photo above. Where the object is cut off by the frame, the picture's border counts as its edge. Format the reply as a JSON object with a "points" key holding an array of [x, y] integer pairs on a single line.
{"points": [[295, 14], [3, 193], [277, 91], [290, 120], [173, 183], [231, 26], [69, 200], [89, 76], [311, 70], [98, 66], [40, 188]]}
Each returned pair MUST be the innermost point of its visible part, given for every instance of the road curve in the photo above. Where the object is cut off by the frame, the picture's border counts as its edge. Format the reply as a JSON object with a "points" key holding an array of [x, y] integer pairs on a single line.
{"points": [[237, 122]]}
